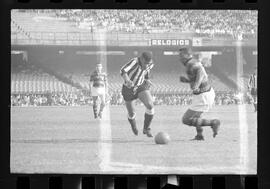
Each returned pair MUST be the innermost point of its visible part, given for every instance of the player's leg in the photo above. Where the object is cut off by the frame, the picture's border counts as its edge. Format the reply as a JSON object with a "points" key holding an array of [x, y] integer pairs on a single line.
{"points": [[95, 106], [192, 118], [254, 97], [201, 103], [130, 105], [210, 101], [255, 104], [146, 98], [129, 98], [253, 101], [102, 104]]}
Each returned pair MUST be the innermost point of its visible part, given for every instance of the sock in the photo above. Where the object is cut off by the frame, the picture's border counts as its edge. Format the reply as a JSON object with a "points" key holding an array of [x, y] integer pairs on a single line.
{"points": [[200, 122], [95, 109], [101, 107], [199, 130], [147, 120], [132, 122]]}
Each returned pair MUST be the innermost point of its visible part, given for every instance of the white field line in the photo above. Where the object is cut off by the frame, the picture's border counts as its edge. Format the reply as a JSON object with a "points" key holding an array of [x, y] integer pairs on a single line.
{"points": [[242, 113], [104, 148]]}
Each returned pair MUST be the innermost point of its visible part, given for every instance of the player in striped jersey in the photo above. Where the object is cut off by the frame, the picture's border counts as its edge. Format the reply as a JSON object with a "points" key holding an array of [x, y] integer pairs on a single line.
{"points": [[252, 87], [203, 94], [136, 85], [98, 89]]}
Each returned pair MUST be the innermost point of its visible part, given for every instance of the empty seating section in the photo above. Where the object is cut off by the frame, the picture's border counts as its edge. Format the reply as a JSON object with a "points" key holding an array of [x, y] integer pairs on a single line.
{"points": [[37, 83], [164, 83]]}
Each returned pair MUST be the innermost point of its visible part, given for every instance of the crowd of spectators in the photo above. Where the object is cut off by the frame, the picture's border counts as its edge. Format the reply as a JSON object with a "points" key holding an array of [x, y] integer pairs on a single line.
{"points": [[115, 98], [204, 22], [210, 23], [50, 99]]}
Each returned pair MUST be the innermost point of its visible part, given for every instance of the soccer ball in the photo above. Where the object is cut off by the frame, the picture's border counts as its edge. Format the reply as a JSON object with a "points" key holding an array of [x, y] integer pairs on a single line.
{"points": [[162, 138]]}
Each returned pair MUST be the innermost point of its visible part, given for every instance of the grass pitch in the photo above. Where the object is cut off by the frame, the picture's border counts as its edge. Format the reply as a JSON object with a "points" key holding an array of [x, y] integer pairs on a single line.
{"points": [[70, 140]]}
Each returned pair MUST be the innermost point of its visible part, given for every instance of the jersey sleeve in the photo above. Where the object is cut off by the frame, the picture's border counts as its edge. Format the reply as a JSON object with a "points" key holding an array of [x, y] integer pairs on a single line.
{"points": [[147, 75], [199, 71], [128, 66], [151, 66]]}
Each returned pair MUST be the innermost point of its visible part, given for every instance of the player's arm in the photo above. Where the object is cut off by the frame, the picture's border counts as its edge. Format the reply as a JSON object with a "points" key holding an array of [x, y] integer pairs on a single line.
{"points": [[128, 66], [183, 79], [124, 70], [127, 80], [147, 78], [199, 77], [106, 83]]}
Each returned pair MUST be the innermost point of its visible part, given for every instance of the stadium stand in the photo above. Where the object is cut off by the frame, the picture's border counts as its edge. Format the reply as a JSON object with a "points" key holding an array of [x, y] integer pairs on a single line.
{"points": [[29, 78], [223, 23], [40, 83], [30, 86], [28, 83]]}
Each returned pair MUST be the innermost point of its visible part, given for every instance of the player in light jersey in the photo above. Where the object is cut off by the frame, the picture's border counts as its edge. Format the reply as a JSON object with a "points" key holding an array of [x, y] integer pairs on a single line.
{"points": [[98, 89], [203, 94]]}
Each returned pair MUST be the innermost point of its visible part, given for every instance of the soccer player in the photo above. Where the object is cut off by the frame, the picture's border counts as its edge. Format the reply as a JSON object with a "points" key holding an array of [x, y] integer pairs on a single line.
{"points": [[98, 89], [136, 85], [203, 94], [252, 87]]}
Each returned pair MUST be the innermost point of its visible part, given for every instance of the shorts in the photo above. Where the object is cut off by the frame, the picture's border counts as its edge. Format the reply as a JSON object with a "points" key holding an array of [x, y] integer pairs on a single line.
{"points": [[129, 94], [98, 91], [253, 92], [204, 101]]}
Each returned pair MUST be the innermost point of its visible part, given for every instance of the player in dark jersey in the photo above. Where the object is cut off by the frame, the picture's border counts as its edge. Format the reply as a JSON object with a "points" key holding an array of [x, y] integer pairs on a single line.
{"points": [[252, 86], [136, 85], [98, 89], [203, 94]]}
